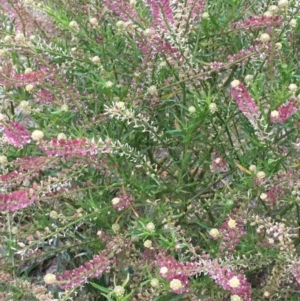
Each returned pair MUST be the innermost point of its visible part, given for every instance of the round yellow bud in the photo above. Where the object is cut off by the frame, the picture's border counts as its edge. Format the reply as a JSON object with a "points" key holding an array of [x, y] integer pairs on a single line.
{"points": [[261, 175], [235, 83], [293, 88], [119, 291], [50, 278], [150, 227], [37, 135], [148, 244], [231, 223], [234, 282], [28, 87], [264, 38], [3, 160], [192, 109], [176, 284], [93, 21], [214, 233], [61, 136]]}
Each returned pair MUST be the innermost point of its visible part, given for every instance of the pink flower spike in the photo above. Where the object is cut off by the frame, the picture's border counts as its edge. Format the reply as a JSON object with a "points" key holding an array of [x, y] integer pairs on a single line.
{"points": [[16, 134], [92, 269], [285, 111], [244, 101], [236, 284], [17, 200]]}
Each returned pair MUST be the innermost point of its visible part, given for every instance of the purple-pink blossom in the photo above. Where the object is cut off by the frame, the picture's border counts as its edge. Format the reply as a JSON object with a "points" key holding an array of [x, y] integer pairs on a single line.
{"points": [[285, 111], [245, 103], [16, 134], [231, 231], [17, 200], [235, 283], [91, 269]]}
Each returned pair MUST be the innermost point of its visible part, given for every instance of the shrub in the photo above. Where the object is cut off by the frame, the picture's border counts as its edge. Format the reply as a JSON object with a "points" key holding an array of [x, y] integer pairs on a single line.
{"points": [[150, 150]]}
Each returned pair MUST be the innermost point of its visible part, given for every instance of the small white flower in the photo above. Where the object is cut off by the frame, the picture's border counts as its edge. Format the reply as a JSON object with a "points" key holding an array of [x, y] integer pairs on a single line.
{"points": [[263, 196], [19, 37], [50, 278], [115, 227], [152, 90], [283, 3], [231, 223], [109, 84], [192, 109], [176, 284], [235, 298], [212, 108], [120, 25], [61, 136], [214, 233], [154, 282], [235, 83], [205, 15], [278, 46], [53, 214], [28, 70], [293, 88], [252, 168], [248, 78], [115, 201], [148, 32], [95, 59], [293, 23], [74, 25], [163, 270], [234, 282], [3, 160], [37, 135], [273, 9], [148, 244], [264, 37], [28, 87], [119, 291], [261, 175], [150, 227], [93, 21], [268, 14], [14, 230], [275, 114]]}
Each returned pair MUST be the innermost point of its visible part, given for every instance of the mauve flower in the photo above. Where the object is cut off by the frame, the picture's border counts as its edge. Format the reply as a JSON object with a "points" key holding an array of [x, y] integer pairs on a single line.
{"points": [[16, 134], [231, 231], [91, 269], [17, 200], [235, 283], [285, 111], [244, 101]]}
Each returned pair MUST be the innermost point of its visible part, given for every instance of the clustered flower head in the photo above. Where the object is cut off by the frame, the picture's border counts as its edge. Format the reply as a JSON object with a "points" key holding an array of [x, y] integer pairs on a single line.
{"points": [[177, 272], [257, 22], [236, 284], [218, 165], [17, 200], [231, 232], [67, 147], [16, 134], [285, 111], [91, 269], [122, 202], [244, 101]]}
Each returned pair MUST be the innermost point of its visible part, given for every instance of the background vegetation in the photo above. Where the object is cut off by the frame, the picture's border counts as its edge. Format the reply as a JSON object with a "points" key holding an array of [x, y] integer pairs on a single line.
{"points": [[150, 150]]}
